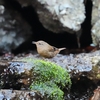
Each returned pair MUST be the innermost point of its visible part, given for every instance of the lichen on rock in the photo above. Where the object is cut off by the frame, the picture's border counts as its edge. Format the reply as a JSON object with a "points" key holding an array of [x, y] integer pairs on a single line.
{"points": [[70, 13], [95, 31]]}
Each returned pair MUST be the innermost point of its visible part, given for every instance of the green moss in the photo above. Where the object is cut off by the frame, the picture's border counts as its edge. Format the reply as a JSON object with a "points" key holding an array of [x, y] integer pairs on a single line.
{"points": [[47, 71], [51, 90], [49, 78]]}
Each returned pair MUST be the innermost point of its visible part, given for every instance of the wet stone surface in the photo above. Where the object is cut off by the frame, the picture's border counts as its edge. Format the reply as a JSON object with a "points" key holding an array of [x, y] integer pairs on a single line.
{"points": [[81, 68], [19, 95], [76, 64]]}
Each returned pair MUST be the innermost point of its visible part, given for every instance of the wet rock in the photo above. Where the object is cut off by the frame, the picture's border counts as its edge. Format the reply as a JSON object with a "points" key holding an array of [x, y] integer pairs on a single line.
{"points": [[77, 64], [45, 77], [84, 64], [12, 76], [19, 95], [13, 29], [82, 68]]}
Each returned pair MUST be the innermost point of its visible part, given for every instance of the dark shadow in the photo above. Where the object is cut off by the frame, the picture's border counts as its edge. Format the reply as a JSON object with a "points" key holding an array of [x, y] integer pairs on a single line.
{"points": [[86, 39], [40, 33]]}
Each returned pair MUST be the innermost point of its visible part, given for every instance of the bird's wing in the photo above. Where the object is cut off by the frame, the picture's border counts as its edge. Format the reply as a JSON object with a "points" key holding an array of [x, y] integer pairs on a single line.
{"points": [[52, 49]]}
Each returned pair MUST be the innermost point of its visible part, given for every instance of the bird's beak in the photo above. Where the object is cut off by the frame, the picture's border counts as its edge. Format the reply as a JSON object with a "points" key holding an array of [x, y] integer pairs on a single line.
{"points": [[33, 42]]}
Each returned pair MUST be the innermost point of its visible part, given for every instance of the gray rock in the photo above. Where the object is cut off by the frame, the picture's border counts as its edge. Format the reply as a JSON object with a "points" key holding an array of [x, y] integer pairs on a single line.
{"points": [[19, 95], [13, 29], [59, 15], [95, 31]]}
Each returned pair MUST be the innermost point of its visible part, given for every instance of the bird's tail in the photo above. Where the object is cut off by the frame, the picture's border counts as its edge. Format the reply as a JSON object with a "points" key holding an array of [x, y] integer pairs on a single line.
{"points": [[61, 49]]}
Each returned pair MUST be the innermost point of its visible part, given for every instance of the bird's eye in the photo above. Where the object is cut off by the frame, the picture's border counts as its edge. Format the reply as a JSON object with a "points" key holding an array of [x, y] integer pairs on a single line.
{"points": [[40, 43], [55, 49]]}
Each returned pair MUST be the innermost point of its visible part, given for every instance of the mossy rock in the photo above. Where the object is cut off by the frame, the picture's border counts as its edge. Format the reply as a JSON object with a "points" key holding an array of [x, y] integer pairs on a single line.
{"points": [[49, 89], [49, 78]]}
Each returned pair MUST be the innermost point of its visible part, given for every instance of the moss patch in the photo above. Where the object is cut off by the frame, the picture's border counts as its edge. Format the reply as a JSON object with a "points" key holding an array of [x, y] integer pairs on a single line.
{"points": [[49, 89], [49, 78]]}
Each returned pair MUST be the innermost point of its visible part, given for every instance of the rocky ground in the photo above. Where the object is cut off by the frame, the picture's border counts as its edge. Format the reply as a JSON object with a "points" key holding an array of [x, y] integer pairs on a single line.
{"points": [[61, 23]]}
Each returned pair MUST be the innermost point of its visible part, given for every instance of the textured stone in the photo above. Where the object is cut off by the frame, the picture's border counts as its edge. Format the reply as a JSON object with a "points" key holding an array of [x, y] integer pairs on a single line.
{"points": [[13, 29], [59, 15], [95, 31], [68, 13]]}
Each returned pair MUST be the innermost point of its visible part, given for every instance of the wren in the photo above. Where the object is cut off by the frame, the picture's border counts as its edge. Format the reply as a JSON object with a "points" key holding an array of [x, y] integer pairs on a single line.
{"points": [[46, 50]]}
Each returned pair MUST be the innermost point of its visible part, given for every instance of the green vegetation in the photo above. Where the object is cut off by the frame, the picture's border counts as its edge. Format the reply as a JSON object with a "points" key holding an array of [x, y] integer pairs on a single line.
{"points": [[49, 90], [48, 79]]}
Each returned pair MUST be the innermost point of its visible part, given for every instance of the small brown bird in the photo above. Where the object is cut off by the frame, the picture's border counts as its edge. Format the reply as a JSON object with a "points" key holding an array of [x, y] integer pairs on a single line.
{"points": [[46, 50]]}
